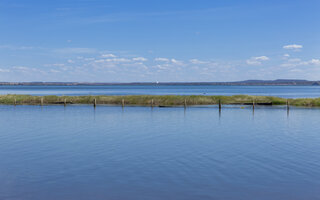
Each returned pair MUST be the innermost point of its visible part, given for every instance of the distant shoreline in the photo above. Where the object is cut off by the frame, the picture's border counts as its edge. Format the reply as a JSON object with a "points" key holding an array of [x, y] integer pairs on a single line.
{"points": [[278, 82], [157, 100]]}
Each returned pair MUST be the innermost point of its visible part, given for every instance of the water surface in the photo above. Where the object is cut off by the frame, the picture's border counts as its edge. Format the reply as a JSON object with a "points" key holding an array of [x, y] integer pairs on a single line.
{"points": [[139, 153], [280, 91]]}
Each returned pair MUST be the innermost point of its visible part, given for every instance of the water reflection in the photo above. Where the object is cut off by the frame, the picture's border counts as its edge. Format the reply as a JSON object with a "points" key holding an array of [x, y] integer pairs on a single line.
{"points": [[171, 155]]}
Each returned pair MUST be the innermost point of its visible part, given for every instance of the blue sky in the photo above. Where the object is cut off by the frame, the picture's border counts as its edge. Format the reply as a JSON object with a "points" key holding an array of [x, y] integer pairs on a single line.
{"points": [[145, 40]]}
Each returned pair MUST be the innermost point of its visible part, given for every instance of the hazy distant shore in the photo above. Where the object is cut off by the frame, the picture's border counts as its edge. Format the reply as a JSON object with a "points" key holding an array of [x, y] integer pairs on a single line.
{"points": [[246, 82]]}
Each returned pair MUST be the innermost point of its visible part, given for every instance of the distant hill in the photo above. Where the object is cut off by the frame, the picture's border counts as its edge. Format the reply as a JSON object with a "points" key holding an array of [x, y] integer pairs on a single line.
{"points": [[246, 82]]}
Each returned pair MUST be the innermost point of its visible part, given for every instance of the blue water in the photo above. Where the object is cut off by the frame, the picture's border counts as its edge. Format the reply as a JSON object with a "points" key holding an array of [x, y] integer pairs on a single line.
{"points": [[137, 153], [281, 91]]}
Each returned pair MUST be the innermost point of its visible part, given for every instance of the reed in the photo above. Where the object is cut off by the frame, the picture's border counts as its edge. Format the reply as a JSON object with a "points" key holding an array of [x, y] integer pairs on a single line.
{"points": [[157, 100]]}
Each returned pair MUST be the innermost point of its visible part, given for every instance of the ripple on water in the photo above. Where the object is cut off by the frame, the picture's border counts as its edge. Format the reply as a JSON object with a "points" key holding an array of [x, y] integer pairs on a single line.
{"points": [[139, 153]]}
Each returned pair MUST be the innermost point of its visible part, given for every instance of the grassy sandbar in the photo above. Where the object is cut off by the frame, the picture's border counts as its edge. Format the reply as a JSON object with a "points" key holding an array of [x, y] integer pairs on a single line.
{"points": [[157, 100]]}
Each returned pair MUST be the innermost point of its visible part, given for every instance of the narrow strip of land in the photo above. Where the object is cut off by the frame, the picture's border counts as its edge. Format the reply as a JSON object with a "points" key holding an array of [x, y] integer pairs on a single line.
{"points": [[156, 100]]}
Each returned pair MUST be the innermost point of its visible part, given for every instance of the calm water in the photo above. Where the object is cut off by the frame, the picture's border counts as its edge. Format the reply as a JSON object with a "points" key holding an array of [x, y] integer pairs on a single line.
{"points": [[281, 91], [78, 153]]}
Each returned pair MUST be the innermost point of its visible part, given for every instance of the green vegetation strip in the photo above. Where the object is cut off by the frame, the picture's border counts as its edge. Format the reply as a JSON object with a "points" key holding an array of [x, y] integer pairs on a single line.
{"points": [[156, 100]]}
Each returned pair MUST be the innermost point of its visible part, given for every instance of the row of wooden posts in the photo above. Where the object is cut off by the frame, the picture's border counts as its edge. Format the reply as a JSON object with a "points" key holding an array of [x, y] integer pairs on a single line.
{"points": [[185, 104], [152, 103]]}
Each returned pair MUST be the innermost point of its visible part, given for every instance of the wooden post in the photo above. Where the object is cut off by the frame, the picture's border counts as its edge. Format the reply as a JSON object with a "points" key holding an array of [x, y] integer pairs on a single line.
{"points": [[185, 103], [253, 104], [151, 102], [41, 101], [94, 102], [288, 108], [219, 108], [15, 101], [65, 102], [122, 102]]}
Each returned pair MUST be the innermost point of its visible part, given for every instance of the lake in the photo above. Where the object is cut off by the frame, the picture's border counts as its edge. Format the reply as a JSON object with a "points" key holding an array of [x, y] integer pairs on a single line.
{"points": [[78, 152], [280, 91]]}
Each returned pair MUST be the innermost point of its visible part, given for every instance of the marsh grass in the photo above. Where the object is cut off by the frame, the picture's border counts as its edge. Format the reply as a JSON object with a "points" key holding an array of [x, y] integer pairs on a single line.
{"points": [[163, 100]]}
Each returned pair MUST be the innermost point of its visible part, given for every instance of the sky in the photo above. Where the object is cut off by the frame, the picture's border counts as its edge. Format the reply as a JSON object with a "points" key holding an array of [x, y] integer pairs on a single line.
{"points": [[167, 40]]}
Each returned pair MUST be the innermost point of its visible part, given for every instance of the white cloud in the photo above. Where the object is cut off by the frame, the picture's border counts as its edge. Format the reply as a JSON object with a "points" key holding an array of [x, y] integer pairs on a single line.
{"points": [[196, 61], [315, 61], [177, 62], [89, 59], [293, 46], [141, 59], [253, 62], [288, 65], [70, 61], [108, 56], [286, 56], [296, 70], [99, 61], [55, 65], [162, 67], [162, 59], [24, 69], [20, 68], [4, 70], [257, 60], [294, 60], [262, 58], [173, 61], [119, 60], [13, 47]]}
